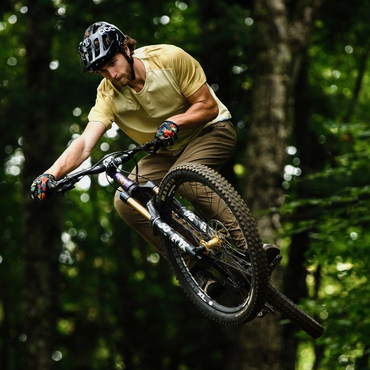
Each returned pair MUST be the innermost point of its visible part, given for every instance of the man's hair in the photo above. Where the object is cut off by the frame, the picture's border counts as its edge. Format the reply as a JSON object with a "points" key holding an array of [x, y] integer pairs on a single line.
{"points": [[130, 42]]}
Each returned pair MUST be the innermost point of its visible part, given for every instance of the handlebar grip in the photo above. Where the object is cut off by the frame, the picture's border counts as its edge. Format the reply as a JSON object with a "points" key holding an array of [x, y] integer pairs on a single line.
{"points": [[156, 142]]}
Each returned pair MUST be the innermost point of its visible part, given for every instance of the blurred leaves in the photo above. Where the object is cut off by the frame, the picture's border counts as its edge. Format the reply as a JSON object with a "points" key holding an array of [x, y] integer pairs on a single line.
{"points": [[119, 306]]}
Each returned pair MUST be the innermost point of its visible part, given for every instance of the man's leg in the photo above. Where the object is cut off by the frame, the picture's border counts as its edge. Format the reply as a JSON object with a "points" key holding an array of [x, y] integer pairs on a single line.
{"points": [[213, 148]]}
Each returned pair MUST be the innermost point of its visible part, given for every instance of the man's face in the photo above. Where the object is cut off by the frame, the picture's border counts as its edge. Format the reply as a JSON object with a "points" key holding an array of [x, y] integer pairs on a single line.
{"points": [[118, 71]]}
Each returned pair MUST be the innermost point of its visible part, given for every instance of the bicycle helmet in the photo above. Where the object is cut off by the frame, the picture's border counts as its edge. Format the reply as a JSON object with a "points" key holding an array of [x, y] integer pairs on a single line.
{"points": [[101, 42]]}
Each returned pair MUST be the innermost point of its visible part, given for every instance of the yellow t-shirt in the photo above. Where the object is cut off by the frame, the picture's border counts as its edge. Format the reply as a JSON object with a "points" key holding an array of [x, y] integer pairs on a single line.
{"points": [[172, 75]]}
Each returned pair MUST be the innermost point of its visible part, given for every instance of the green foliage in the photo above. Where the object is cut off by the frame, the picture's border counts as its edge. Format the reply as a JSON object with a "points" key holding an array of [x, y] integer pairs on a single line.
{"points": [[329, 200], [119, 306], [337, 221]]}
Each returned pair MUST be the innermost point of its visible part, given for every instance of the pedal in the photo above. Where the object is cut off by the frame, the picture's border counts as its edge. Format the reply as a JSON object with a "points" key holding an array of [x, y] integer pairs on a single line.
{"points": [[265, 310], [274, 262]]}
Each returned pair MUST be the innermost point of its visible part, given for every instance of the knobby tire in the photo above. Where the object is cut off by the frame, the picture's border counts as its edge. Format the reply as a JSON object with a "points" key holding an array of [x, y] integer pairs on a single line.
{"points": [[239, 265]]}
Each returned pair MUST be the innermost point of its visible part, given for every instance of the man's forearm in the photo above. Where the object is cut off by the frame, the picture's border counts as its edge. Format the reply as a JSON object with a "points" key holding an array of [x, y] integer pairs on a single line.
{"points": [[70, 159]]}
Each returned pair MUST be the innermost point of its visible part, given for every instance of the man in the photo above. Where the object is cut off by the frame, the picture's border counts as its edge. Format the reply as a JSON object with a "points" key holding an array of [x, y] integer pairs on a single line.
{"points": [[155, 91]]}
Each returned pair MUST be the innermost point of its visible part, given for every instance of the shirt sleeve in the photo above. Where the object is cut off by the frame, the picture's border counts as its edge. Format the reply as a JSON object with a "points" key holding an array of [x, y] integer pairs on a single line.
{"points": [[189, 73], [103, 110]]}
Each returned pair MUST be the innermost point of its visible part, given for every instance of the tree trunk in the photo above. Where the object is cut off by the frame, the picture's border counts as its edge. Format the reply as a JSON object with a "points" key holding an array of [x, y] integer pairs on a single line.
{"points": [[358, 84], [312, 157], [41, 220], [281, 36]]}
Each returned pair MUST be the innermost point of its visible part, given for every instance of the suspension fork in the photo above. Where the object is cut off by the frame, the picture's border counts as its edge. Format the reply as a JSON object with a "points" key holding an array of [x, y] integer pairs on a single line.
{"points": [[151, 214], [129, 186]]}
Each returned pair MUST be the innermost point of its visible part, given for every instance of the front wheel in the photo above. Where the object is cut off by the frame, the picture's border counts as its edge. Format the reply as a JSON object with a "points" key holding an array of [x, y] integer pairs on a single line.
{"points": [[205, 209]]}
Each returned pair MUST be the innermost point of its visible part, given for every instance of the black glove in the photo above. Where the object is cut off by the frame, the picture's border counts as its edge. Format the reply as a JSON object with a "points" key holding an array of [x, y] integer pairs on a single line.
{"points": [[167, 133], [43, 187]]}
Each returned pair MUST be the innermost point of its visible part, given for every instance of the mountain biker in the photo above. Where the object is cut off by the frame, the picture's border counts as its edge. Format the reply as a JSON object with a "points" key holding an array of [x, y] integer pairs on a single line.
{"points": [[154, 91]]}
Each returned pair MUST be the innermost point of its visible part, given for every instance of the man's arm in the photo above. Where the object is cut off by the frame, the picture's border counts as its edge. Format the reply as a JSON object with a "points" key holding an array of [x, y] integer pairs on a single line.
{"points": [[203, 109], [78, 151]]}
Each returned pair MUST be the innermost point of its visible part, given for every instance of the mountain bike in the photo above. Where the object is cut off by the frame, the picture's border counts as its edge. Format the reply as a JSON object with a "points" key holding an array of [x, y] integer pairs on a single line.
{"points": [[205, 226]]}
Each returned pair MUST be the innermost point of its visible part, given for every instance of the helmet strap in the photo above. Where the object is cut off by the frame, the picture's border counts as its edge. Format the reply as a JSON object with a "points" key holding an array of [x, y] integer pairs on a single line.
{"points": [[130, 59]]}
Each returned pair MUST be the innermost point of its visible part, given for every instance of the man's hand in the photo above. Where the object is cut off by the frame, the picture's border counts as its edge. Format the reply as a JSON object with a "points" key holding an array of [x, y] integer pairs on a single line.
{"points": [[43, 187], [167, 133]]}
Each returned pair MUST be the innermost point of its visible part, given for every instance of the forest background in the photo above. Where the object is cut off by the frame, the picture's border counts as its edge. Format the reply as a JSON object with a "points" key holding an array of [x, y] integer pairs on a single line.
{"points": [[80, 290]]}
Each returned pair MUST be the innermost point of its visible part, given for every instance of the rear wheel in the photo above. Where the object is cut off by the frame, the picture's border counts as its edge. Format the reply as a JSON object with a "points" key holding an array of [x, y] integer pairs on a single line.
{"points": [[213, 217]]}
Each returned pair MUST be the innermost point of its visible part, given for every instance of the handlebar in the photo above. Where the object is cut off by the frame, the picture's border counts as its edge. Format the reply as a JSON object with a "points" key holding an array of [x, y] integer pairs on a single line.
{"points": [[68, 182]]}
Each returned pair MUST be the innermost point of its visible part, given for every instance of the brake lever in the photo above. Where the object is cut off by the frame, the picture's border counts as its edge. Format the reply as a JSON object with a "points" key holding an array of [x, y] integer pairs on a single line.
{"points": [[66, 184], [155, 144], [65, 188]]}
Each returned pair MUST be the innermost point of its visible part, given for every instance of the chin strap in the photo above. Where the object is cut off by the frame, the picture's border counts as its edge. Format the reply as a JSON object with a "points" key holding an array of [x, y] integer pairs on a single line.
{"points": [[130, 59]]}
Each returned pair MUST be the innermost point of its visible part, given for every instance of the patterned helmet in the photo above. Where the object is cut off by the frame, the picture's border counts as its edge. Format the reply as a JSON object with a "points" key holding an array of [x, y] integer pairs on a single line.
{"points": [[100, 43]]}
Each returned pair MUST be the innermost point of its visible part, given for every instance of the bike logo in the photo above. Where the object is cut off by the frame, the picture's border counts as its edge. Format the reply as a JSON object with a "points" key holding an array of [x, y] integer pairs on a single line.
{"points": [[180, 242], [163, 226]]}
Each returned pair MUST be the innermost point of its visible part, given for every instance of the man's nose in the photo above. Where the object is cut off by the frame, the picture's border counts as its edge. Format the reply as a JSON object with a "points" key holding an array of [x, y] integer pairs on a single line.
{"points": [[112, 73]]}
